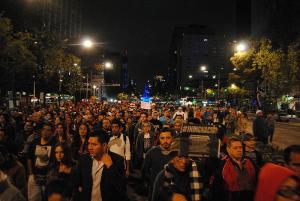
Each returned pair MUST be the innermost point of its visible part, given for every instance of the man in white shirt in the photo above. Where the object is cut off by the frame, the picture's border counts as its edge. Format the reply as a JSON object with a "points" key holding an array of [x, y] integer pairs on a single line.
{"points": [[120, 144]]}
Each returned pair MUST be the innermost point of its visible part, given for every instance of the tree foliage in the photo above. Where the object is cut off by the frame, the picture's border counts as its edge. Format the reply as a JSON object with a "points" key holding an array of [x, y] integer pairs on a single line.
{"points": [[17, 62], [41, 55], [275, 70]]}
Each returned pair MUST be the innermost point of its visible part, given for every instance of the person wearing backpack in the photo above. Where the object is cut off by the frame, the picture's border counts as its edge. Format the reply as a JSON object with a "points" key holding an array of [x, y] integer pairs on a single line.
{"points": [[119, 144]]}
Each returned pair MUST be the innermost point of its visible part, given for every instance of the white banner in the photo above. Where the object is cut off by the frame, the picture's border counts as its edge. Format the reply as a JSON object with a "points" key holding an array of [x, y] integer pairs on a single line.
{"points": [[146, 105]]}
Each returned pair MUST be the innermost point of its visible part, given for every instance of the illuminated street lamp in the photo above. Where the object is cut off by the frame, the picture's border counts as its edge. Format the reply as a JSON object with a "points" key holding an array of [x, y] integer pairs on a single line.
{"points": [[87, 43], [94, 87], [241, 47], [108, 65], [203, 68], [190, 76], [233, 86]]}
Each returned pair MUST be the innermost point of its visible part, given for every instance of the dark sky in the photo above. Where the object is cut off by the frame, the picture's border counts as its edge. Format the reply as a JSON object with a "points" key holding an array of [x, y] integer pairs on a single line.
{"points": [[145, 27]]}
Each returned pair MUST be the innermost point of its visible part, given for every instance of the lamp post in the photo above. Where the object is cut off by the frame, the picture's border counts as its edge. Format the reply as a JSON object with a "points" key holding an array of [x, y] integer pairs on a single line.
{"points": [[94, 90], [33, 86], [87, 87], [59, 86], [105, 65], [203, 70]]}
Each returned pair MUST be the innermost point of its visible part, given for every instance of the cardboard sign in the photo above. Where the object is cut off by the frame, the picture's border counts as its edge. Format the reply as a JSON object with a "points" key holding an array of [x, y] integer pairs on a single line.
{"points": [[146, 105], [203, 141]]}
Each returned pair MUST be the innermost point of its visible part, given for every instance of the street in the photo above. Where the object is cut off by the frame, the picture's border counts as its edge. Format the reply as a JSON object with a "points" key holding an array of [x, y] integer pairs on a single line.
{"points": [[286, 134]]}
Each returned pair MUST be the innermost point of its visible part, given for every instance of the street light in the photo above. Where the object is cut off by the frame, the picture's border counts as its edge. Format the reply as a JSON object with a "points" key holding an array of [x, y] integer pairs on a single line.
{"points": [[233, 86], [241, 47], [87, 43], [214, 76], [190, 76], [108, 65], [203, 68], [94, 87]]}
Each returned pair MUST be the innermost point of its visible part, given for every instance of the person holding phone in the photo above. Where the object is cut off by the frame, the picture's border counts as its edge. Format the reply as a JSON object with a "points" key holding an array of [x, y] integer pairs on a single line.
{"points": [[100, 174]]}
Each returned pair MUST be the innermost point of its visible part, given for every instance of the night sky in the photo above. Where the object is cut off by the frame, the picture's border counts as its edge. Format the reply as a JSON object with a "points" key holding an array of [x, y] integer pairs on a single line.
{"points": [[145, 27]]}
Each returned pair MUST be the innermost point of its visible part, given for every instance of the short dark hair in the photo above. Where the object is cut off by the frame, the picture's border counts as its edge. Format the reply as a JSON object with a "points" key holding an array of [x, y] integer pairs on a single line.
{"points": [[102, 136], [145, 113], [287, 152], [165, 130], [116, 121], [233, 139], [46, 123], [58, 186], [106, 119]]}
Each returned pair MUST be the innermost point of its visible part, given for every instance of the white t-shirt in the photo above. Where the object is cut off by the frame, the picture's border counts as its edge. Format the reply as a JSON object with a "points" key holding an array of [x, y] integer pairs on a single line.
{"points": [[118, 146]]}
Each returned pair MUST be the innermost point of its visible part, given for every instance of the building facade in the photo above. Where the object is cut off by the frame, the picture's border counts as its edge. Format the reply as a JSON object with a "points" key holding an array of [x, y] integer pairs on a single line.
{"points": [[62, 17], [192, 47]]}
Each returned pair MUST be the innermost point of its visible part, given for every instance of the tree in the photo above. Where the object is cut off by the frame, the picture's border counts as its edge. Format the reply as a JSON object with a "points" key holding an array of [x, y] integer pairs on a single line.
{"points": [[122, 96], [17, 62], [293, 63], [271, 70]]}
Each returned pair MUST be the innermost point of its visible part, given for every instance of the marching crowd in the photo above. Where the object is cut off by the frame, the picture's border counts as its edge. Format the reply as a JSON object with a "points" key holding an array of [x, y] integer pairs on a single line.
{"points": [[87, 151]]}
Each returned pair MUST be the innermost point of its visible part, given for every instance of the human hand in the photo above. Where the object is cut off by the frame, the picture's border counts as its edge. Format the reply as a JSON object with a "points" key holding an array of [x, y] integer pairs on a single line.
{"points": [[106, 159]]}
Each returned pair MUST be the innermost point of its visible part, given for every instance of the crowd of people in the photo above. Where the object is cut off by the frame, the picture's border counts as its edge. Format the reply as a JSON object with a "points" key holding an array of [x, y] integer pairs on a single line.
{"points": [[87, 151]]}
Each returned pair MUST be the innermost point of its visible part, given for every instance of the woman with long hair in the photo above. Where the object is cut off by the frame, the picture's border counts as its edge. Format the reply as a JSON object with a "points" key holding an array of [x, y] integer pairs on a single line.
{"points": [[63, 166], [80, 142], [60, 133]]}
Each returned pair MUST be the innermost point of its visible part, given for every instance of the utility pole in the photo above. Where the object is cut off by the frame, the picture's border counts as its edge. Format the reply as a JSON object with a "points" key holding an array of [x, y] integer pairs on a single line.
{"points": [[34, 86], [87, 86], [219, 77], [59, 87]]}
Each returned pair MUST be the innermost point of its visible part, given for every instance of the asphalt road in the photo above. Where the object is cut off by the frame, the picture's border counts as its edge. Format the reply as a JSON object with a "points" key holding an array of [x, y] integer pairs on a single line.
{"points": [[285, 133]]}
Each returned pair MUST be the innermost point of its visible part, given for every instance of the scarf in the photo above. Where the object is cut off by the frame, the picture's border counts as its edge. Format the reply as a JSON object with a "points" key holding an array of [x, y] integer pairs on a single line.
{"points": [[195, 185]]}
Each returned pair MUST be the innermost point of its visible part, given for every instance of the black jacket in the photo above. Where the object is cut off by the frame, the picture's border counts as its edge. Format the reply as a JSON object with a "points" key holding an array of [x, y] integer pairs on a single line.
{"points": [[180, 182], [113, 181], [260, 128]]}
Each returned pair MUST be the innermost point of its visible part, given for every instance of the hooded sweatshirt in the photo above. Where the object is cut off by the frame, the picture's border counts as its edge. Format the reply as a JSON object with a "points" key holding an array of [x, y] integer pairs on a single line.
{"points": [[270, 179]]}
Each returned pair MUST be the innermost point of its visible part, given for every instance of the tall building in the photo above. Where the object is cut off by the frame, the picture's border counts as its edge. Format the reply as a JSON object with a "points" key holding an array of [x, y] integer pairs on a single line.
{"points": [[124, 71], [62, 17], [192, 47]]}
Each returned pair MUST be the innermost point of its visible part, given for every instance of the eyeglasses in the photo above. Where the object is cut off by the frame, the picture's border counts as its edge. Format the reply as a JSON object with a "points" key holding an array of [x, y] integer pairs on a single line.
{"points": [[289, 192]]}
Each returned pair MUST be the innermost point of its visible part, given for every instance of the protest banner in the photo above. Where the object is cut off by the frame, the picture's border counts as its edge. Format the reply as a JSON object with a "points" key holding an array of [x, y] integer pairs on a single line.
{"points": [[203, 140]]}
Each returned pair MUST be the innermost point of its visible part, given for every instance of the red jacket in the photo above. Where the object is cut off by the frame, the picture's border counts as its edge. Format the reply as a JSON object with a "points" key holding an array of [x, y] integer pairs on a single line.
{"points": [[270, 179]]}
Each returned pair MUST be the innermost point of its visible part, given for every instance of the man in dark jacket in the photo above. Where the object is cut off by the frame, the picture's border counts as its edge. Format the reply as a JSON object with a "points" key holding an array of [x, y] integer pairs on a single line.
{"points": [[100, 174], [156, 158], [182, 174], [260, 127]]}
